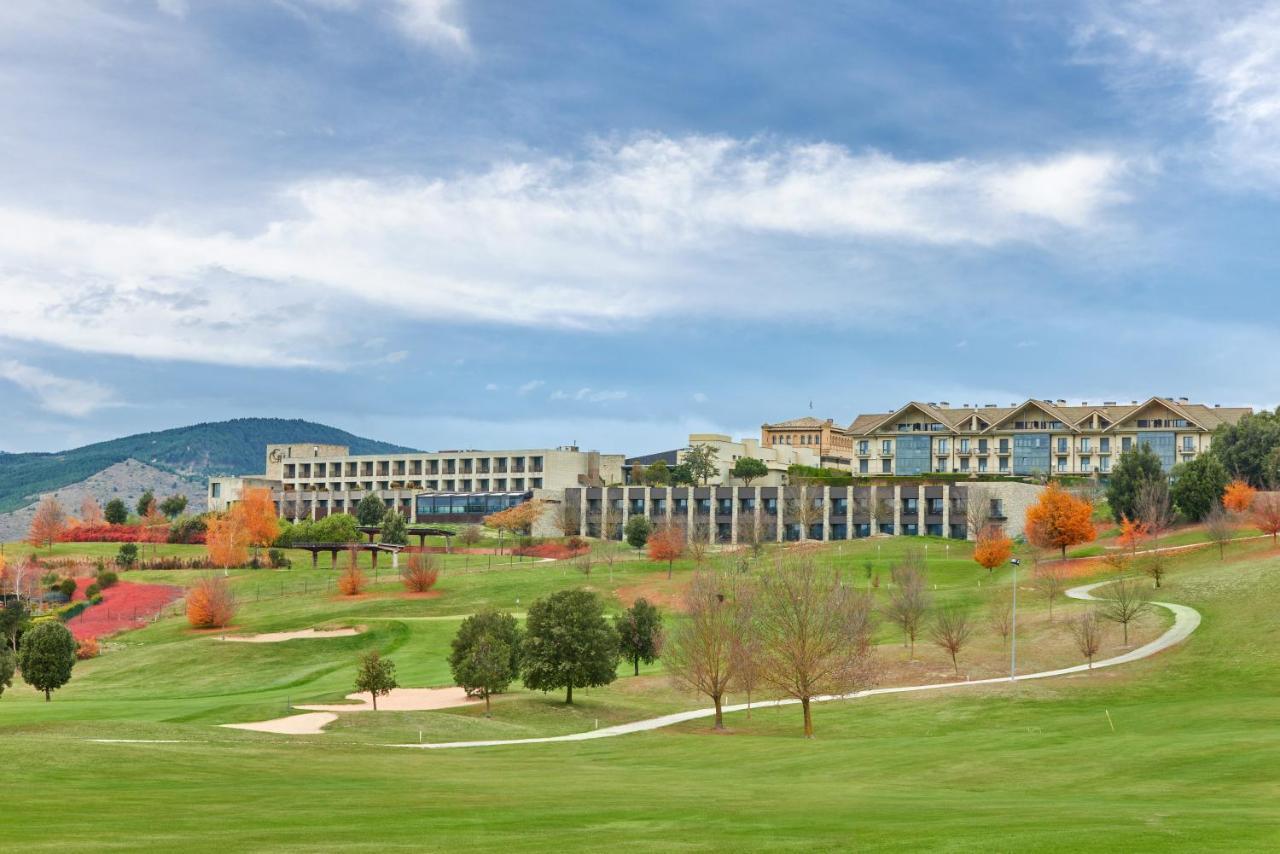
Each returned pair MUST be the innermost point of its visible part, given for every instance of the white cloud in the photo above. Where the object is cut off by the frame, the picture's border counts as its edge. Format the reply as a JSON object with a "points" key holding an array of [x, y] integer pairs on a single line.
{"points": [[60, 395], [396, 357], [491, 387], [531, 385], [699, 397], [589, 395], [632, 231], [433, 22], [1225, 53], [176, 8]]}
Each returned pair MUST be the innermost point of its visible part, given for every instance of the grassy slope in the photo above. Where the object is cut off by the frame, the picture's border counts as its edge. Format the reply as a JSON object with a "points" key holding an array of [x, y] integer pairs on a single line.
{"points": [[1035, 767]]}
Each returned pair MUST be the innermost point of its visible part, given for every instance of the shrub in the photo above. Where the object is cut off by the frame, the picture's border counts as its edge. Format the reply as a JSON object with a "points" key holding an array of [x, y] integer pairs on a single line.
{"points": [[352, 581], [420, 574], [187, 529], [54, 597], [68, 587], [210, 603], [127, 556], [278, 559], [92, 590], [107, 579], [103, 534], [87, 648]]}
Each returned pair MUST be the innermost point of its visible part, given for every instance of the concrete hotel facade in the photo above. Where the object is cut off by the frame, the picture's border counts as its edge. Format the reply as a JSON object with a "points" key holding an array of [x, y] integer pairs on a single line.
{"points": [[1035, 437], [736, 514]]}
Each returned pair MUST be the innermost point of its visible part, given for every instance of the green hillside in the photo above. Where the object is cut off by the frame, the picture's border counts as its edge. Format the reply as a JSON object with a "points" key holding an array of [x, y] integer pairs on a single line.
{"points": [[221, 447]]}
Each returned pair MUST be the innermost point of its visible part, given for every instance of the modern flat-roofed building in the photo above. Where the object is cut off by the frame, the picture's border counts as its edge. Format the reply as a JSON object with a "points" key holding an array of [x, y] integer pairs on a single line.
{"points": [[311, 481], [1036, 437], [831, 443], [777, 459]]}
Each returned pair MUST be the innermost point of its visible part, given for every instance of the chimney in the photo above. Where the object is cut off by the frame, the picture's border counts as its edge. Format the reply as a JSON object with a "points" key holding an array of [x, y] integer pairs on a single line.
{"points": [[1108, 403], [1184, 400], [1061, 402], [944, 404]]}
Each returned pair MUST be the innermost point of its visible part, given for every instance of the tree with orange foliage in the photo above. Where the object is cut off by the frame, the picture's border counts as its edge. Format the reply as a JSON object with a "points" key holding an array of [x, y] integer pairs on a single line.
{"points": [[1059, 520], [666, 543], [50, 521], [518, 519], [90, 512], [1238, 496], [1266, 514], [210, 603], [226, 541], [1132, 533], [352, 581], [993, 548], [257, 514], [420, 573], [156, 525]]}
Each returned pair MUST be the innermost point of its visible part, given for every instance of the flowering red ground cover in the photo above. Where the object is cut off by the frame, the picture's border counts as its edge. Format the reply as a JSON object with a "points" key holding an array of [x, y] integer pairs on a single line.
{"points": [[124, 605], [556, 551]]}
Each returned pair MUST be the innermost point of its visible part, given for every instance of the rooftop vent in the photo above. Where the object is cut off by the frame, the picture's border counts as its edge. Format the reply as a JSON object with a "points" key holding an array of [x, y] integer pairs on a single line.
{"points": [[989, 405], [1184, 400], [1061, 402], [1217, 406], [1133, 403], [944, 404], [1108, 403]]}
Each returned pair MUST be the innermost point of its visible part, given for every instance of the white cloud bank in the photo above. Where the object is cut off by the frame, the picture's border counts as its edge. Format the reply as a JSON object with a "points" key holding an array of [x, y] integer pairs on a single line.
{"points": [[60, 395], [630, 231]]}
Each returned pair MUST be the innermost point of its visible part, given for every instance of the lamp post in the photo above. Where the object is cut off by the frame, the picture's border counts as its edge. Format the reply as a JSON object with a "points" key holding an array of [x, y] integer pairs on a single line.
{"points": [[1013, 634]]}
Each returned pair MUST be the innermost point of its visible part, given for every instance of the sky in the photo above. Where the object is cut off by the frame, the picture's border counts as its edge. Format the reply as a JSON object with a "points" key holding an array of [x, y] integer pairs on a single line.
{"points": [[462, 223]]}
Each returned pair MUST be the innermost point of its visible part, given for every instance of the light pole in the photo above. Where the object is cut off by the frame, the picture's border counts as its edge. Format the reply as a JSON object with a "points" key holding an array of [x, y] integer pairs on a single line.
{"points": [[1013, 634]]}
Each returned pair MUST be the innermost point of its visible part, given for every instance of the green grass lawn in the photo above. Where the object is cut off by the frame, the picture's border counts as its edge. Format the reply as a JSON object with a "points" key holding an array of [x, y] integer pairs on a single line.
{"points": [[1190, 764]]}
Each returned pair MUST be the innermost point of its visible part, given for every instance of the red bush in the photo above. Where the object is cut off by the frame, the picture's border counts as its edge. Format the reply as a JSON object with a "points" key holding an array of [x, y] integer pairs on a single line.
{"points": [[104, 534], [555, 551]]}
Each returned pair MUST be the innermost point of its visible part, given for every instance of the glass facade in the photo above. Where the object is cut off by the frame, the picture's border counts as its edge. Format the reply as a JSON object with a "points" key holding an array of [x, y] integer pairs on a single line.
{"points": [[482, 503], [1162, 444], [913, 455], [1031, 453]]}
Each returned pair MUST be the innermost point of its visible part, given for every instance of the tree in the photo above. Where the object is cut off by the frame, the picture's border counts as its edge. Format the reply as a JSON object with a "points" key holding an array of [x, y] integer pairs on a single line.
{"points": [[1136, 467], [46, 656], [14, 620], [807, 510], [210, 603], [748, 469], [1000, 616], [485, 654], [1238, 496], [173, 506], [90, 512], [470, 535], [656, 474], [699, 653], [951, 630], [8, 662], [815, 634], [395, 530], [1086, 630], [226, 540], [568, 519], [702, 463], [156, 525], [127, 555], [1132, 534], [377, 675], [518, 519], [747, 654], [420, 573], [48, 523], [1059, 520], [698, 544], [682, 475], [568, 643], [977, 510], [1220, 527], [666, 543], [1246, 446], [1198, 485], [1156, 513], [1266, 514], [908, 602], [993, 548], [637, 532], [639, 633], [145, 501], [370, 510], [1125, 602], [352, 581], [1051, 580], [115, 512]]}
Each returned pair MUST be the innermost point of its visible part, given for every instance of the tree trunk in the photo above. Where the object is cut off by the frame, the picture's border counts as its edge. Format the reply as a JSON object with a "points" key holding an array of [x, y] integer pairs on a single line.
{"points": [[568, 697], [486, 704], [47, 698], [954, 665], [374, 695], [719, 713], [1064, 552], [808, 718], [637, 663], [668, 570], [1126, 632], [748, 704]]}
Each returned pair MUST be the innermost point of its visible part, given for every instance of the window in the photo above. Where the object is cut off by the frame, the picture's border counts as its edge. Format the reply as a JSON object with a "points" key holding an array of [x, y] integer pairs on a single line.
{"points": [[747, 505], [886, 466], [1004, 464], [910, 529], [1086, 464], [964, 464], [637, 507], [215, 489], [997, 508], [1188, 443], [771, 505], [863, 446], [1062, 444], [982, 463], [1104, 463], [964, 446], [1062, 463], [935, 506], [1004, 446], [982, 446], [1104, 445], [863, 468], [909, 506], [886, 447], [724, 506], [1126, 444], [1086, 444], [942, 446]]}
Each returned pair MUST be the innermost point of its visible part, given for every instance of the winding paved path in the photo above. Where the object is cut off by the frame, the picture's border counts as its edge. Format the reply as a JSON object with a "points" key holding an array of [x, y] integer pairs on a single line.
{"points": [[1185, 621]]}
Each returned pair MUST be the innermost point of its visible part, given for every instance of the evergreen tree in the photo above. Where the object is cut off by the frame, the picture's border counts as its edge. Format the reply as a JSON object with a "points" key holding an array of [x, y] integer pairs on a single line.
{"points": [[394, 529], [1247, 448], [748, 469], [144, 502], [485, 655], [1136, 468], [115, 512], [8, 661], [46, 655], [568, 643], [639, 633], [1198, 485], [637, 532], [370, 510], [377, 676]]}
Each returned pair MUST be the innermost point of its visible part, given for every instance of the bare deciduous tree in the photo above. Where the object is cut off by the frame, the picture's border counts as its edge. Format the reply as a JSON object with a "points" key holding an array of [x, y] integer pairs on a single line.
{"points": [[747, 646], [700, 652], [1155, 511], [699, 542], [977, 510], [1000, 616], [585, 561], [1051, 580], [951, 630], [908, 602], [807, 509], [1125, 602], [1086, 629], [1220, 527], [815, 634], [568, 519]]}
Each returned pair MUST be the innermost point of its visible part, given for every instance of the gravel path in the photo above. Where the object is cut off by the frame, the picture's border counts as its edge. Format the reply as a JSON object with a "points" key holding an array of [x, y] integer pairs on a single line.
{"points": [[1185, 621]]}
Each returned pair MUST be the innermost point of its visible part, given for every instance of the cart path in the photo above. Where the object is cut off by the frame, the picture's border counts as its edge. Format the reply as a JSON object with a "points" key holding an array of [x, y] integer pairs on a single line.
{"points": [[1185, 621]]}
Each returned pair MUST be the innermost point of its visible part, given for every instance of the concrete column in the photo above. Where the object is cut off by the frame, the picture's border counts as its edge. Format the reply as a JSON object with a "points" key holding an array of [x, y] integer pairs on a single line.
{"points": [[755, 520], [946, 510], [873, 510], [782, 514], [897, 509], [582, 512], [688, 512], [733, 524], [626, 509], [826, 513]]}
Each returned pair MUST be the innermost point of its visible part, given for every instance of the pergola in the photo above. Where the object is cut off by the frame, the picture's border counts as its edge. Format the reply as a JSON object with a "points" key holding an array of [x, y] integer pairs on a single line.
{"points": [[333, 548], [413, 530]]}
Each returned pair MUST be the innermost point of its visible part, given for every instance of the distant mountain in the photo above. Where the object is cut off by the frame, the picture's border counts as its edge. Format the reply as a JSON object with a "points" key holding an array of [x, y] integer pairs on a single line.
{"points": [[220, 447]]}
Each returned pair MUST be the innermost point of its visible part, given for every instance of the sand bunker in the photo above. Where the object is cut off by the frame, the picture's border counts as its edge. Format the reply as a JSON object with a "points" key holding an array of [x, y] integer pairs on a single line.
{"points": [[280, 637], [308, 724], [402, 700]]}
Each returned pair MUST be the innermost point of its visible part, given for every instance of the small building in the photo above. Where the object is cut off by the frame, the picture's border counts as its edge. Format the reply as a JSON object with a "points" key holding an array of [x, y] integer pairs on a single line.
{"points": [[832, 443], [727, 452]]}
